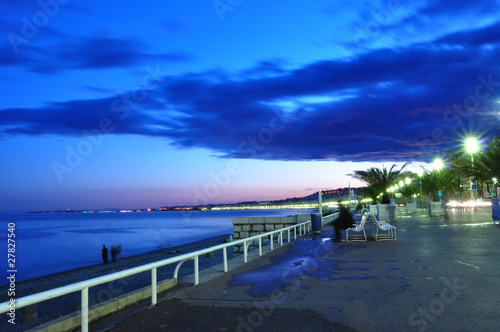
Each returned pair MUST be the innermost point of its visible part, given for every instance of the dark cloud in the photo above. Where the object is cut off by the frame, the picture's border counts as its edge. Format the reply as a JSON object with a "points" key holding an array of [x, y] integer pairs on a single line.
{"points": [[476, 37], [266, 68], [99, 53], [176, 27], [399, 23], [453, 7], [86, 53], [409, 103]]}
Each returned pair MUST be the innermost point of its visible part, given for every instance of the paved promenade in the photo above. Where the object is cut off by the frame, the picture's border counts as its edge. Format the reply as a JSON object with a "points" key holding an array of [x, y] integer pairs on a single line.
{"points": [[440, 275]]}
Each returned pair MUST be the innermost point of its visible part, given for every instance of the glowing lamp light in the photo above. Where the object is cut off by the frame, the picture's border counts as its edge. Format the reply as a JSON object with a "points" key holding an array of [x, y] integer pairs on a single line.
{"points": [[407, 180], [471, 145], [401, 184], [438, 164]]}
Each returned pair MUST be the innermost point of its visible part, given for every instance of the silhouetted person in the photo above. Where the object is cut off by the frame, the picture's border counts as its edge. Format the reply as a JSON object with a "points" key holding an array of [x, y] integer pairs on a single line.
{"points": [[105, 254], [114, 253], [344, 221], [359, 207]]}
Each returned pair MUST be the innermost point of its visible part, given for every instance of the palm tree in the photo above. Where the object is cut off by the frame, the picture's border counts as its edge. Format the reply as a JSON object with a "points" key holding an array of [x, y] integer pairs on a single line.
{"points": [[436, 181], [410, 190], [380, 179], [371, 192], [460, 166], [487, 163]]}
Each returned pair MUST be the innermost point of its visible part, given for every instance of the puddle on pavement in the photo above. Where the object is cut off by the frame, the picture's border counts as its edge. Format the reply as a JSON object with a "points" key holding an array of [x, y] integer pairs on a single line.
{"points": [[304, 258]]}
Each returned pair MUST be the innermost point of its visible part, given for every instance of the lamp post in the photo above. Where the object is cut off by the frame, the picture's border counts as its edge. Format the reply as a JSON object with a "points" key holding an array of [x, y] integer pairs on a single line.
{"points": [[438, 165], [420, 173], [471, 146]]}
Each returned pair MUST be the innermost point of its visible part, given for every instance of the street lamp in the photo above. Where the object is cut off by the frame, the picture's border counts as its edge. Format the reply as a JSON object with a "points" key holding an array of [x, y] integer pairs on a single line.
{"points": [[471, 146], [420, 173], [438, 164]]}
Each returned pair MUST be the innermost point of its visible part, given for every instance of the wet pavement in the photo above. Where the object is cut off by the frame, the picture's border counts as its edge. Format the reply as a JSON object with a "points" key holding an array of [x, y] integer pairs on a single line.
{"points": [[440, 275]]}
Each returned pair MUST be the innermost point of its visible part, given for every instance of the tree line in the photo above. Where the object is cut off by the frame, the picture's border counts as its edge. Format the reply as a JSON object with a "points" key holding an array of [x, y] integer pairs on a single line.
{"points": [[461, 169]]}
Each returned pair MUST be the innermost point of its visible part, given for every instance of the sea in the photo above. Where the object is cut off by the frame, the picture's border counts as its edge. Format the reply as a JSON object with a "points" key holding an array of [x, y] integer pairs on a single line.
{"points": [[48, 243]]}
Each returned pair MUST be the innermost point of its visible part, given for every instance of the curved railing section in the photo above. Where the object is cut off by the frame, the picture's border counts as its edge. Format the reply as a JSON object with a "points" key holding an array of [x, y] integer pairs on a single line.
{"points": [[84, 286], [329, 218]]}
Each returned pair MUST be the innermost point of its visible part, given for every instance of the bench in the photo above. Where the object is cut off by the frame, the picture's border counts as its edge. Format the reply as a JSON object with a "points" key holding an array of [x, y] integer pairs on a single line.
{"points": [[358, 228], [383, 226]]}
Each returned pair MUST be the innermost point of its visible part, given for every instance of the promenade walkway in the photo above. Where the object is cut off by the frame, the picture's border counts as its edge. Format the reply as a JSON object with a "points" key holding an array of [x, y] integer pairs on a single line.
{"points": [[440, 275]]}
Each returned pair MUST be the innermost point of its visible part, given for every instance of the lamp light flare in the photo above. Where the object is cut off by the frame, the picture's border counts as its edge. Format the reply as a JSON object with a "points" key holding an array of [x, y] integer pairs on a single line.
{"points": [[438, 164], [471, 145]]}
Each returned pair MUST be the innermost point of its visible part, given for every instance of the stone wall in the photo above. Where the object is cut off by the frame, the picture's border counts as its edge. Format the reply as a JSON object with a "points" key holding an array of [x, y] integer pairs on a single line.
{"points": [[251, 226]]}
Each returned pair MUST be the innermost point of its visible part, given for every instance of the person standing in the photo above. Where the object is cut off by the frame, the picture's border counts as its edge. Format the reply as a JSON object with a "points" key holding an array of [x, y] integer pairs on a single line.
{"points": [[114, 253], [104, 254]]}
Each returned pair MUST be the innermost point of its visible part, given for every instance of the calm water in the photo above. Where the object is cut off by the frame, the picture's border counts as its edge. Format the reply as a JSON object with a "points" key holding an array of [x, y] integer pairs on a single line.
{"points": [[51, 243]]}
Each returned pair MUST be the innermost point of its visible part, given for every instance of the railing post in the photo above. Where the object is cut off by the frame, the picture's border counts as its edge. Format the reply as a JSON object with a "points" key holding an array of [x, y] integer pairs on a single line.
{"points": [[224, 255], [272, 240], [260, 246], [295, 233], [289, 235], [85, 309], [196, 271], [281, 238], [245, 252], [29, 314], [153, 287]]}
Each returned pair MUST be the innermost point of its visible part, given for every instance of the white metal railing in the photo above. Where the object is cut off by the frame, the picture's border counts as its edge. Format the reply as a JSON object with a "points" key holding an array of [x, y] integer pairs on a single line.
{"points": [[84, 286], [329, 218]]}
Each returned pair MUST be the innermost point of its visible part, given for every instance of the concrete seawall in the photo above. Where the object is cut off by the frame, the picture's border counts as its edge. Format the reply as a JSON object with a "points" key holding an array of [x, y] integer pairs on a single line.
{"points": [[251, 226]]}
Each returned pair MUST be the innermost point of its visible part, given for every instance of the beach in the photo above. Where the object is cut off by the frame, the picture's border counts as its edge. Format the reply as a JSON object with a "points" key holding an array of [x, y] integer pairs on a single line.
{"points": [[64, 305]]}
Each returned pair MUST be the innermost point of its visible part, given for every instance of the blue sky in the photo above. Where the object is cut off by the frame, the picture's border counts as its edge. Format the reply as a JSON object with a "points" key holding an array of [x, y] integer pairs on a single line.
{"points": [[178, 102]]}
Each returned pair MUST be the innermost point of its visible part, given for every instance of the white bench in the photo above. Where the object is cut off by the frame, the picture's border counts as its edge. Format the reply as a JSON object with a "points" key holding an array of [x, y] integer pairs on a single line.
{"points": [[378, 225], [358, 228]]}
